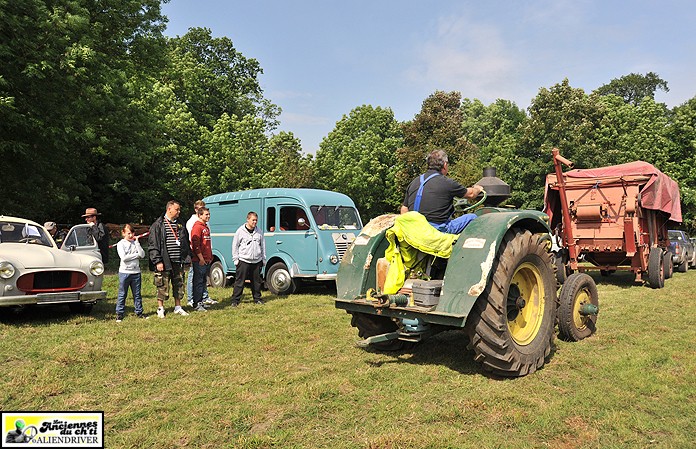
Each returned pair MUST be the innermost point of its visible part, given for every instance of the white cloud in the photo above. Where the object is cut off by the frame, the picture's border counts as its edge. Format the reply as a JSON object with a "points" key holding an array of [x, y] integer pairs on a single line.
{"points": [[471, 57]]}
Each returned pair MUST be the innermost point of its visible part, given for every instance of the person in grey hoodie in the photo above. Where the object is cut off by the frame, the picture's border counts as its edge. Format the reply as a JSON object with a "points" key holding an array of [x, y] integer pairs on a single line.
{"points": [[130, 252], [249, 255]]}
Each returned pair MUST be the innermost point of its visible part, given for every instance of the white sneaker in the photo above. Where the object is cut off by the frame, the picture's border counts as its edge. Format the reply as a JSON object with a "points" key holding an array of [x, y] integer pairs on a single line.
{"points": [[210, 301], [160, 312], [190, 303], [200, 308], [179, 310]]}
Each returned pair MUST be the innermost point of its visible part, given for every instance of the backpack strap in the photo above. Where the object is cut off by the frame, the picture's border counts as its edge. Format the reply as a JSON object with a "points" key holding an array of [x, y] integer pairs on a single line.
{"points": [[419, 194]]}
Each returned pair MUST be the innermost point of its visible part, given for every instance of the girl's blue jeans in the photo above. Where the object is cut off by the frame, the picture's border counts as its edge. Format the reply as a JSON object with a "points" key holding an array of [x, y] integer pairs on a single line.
{"points": [[134, 281]]}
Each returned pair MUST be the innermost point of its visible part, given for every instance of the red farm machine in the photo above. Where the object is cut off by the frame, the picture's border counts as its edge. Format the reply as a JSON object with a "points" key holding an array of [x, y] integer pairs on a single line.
{"points": [[612, 218]]}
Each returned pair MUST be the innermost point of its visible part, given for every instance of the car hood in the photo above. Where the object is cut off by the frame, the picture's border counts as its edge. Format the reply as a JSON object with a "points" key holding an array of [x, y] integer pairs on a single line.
{"points": [[29, 256]]}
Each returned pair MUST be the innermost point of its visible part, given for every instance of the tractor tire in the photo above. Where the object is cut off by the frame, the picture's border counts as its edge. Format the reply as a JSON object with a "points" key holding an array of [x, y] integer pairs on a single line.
{"points": [[683, 267], [279, 281], [668, 266], [578, 290], [656, 268], [371, 325], [218, 277], [511, 326]]}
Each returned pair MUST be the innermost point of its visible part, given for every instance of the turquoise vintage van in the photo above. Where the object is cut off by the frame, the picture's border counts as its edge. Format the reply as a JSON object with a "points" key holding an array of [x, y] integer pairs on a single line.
{"points": [[307, 232]]}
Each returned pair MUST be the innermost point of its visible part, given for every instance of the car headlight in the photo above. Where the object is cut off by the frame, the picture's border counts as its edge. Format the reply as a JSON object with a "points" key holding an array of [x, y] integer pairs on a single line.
{"points": [[96, 268], [334, 259], [7, 270]]}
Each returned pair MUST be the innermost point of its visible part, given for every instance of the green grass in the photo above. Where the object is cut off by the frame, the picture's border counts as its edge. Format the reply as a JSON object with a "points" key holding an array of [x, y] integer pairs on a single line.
{"points": [[288, 375]]}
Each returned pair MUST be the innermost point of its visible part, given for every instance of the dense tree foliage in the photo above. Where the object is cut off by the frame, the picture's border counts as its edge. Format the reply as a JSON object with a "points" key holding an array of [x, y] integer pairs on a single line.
{"points": [[98, 108], [634, 87], [438, 125], [358, 158]]}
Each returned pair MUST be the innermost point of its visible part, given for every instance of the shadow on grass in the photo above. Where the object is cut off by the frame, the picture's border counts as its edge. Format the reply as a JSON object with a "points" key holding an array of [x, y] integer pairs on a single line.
{"points": [[448, 348]]}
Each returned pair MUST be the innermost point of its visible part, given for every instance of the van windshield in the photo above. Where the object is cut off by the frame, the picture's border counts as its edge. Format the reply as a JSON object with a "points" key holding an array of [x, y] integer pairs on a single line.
{"points": [[336, 217]]}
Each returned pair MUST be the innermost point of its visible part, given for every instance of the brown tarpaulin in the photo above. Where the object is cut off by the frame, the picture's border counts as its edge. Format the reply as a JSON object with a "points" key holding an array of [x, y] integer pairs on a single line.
{"points": [[660, 192]]}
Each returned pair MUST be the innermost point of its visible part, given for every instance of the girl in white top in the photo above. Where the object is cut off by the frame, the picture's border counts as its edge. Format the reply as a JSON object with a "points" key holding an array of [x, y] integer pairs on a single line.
{"points": [[130, 252]]}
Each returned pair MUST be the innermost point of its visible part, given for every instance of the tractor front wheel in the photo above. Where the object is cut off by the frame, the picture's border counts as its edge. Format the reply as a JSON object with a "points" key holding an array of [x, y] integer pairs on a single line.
{"points": [[575, 319], [511, 327]]}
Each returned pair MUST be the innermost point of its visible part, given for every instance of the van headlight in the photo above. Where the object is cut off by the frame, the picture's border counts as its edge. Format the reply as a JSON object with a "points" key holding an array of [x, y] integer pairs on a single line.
{"points": [[334, 259], [7, 270], [96, 268]]}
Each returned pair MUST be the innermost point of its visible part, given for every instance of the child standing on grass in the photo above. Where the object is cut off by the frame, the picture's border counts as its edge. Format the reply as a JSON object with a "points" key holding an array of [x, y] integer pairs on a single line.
{"points": [[130, 252]]}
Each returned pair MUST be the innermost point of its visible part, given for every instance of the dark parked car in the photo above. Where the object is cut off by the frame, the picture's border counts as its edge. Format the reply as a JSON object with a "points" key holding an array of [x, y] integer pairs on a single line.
{"points": [[682, 249]]}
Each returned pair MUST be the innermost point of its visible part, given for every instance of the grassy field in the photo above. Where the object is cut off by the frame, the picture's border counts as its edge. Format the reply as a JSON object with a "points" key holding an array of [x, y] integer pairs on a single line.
{"points": [[288, 375]]}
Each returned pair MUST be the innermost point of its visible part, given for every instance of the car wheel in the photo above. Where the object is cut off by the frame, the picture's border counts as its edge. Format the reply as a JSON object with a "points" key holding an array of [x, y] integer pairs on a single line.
{"points": [[279, 281], [218, 277]]}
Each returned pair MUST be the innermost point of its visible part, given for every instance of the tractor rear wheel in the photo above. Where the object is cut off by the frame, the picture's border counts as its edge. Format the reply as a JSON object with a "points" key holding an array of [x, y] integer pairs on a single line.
{"points": [[511, 327], [578, 291], [656, 268], [371, 325]]}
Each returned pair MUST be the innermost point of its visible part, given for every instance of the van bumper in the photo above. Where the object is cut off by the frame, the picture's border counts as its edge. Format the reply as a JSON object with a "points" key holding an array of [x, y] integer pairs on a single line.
{"points": [[327, 277]]}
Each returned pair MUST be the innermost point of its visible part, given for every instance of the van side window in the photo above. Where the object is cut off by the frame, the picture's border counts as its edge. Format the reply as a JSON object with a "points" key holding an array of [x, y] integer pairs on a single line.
{"points": [[293, 218], [270, 219]]}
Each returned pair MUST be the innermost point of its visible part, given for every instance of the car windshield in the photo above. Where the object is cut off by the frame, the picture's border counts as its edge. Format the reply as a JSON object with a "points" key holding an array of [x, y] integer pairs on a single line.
{"points": [[13, 232], [675, 236], [336, 217]]}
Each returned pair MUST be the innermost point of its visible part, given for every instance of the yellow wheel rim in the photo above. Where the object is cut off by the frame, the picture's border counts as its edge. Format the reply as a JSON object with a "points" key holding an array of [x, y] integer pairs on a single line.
{"points": [[525, 304], [583, 297]]}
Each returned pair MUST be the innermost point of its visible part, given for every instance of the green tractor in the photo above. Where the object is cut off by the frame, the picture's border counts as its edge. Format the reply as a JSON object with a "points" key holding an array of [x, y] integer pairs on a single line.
{"points": [[498, 284]]}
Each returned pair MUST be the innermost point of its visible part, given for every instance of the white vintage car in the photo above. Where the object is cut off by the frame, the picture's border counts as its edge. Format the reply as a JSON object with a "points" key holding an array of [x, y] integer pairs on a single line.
{"points": [[34, 271]]}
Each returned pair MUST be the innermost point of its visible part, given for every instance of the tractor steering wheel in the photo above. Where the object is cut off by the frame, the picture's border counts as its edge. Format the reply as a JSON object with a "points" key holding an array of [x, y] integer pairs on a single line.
{"points": [[460, 203]]}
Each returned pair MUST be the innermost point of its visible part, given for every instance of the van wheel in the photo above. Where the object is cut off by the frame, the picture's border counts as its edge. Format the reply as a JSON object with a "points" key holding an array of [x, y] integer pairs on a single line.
{"points": [[218, 278], [279, 281]]}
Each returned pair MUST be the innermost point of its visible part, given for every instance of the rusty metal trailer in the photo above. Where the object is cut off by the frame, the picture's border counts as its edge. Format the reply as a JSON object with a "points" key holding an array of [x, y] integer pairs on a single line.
{"points": [[613, 217]]}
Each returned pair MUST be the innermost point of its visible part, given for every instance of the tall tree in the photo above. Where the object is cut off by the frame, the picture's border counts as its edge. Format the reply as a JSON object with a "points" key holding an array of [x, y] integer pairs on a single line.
{"points": [[212, 78], [634, 87], [438, 125], [357, 158], [71, 71]]}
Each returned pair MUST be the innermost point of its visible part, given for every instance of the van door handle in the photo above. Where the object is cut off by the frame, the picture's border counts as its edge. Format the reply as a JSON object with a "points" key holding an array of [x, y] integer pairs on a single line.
{"points": [[278, 242]]}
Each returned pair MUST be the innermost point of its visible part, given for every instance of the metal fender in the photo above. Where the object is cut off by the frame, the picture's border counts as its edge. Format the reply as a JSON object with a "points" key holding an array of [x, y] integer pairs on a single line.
{"points": [[475, 253], [354, 273], [218, 255]]}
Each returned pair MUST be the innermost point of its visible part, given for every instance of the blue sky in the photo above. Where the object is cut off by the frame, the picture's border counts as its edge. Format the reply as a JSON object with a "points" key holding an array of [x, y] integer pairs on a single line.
{"points": [[321, 59]]}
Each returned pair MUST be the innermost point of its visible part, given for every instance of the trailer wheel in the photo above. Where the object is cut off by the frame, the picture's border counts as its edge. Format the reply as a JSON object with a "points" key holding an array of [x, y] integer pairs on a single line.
{"points": [[667, 264], [578, 290], [371, 325], [279, 281], [562, 270], [511, 327], [218, 278], [656, 268]]}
